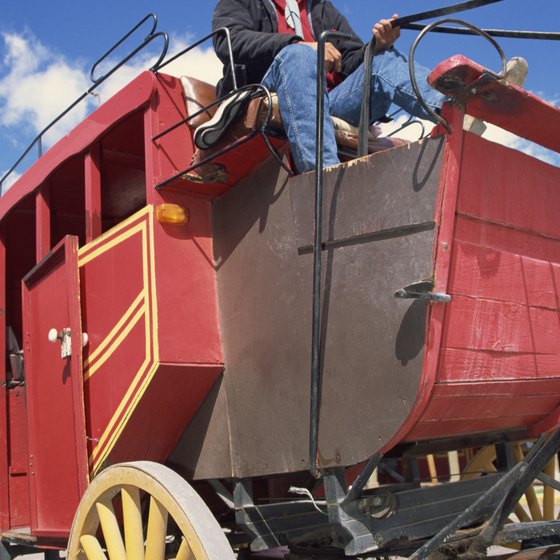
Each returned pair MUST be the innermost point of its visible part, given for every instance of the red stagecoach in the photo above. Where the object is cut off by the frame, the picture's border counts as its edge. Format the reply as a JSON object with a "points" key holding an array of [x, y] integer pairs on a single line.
{"points": [[159, 306]]}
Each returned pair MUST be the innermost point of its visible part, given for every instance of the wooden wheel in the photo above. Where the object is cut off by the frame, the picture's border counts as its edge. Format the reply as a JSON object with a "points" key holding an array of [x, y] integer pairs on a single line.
{"points": [[143, 510], [538, 503]]}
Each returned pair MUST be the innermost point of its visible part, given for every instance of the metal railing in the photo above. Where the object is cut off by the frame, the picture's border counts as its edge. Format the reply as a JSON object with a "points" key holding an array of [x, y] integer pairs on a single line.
{"points": [[97, 81]]}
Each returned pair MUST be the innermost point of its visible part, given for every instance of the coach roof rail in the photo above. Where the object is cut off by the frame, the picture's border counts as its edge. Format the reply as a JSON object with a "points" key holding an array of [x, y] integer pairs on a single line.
{"points": [[152, 35]]}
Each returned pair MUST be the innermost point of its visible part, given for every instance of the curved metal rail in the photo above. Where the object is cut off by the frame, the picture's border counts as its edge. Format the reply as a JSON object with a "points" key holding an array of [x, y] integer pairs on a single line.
{"points": [[259, 90], [317, 247], [218, 31], [508, 33], [421, 35], [152, 35]]}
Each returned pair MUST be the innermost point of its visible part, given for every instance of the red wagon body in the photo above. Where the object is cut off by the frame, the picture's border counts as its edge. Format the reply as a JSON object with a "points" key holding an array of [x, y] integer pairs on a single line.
{"points": [[189, 343]]}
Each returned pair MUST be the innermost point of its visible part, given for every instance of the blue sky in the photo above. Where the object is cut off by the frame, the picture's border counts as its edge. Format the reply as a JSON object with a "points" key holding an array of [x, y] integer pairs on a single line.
{"points": [[47, 49]]}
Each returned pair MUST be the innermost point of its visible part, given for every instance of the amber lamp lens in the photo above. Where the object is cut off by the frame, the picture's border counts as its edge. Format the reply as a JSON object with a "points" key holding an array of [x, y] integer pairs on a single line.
{"points": [[172, 214]]}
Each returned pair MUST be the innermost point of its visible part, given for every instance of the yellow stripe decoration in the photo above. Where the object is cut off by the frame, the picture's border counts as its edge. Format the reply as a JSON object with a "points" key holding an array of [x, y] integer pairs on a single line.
{"points": [[109, 240], [144, 306], [112, 341]]}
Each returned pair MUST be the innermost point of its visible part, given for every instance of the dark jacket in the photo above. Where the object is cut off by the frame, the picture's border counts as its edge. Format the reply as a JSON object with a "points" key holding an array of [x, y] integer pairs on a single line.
{"points": [[253, 25]]}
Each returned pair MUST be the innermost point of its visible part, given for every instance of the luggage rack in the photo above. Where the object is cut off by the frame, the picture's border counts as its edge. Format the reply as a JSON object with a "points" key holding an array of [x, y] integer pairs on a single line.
{"points": [[97, 81]]}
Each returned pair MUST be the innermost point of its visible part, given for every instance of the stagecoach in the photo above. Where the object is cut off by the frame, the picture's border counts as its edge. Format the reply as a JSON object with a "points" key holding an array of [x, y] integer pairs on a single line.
{"points": [[209, 357]]}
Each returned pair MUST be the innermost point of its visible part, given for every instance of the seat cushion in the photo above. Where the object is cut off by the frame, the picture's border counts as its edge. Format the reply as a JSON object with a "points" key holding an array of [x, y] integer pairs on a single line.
{"points": [[198, 95]]}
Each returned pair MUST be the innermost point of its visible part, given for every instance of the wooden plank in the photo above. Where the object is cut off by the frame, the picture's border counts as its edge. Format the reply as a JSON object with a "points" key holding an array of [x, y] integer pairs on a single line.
{"points": [[506, 105], [43, 222], [497, 236], [502, 276], [464, 364], [521, 191], [371, 339], [468, 408], [18, 460], [426, 430], [501, 388], [481, 324], [92, 173], [4, 478]]}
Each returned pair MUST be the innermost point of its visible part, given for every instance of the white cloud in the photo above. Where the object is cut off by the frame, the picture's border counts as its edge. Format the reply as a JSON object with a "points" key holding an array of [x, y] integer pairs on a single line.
{"points": [[501, 136], [415, 130], [198, 63], [37, 86], [201, 62]]}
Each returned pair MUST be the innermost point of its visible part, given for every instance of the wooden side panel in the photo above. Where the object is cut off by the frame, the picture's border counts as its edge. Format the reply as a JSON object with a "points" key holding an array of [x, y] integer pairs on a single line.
{"points": [[4, 419], [373, 342], [152, 354], [499, 364], [165, 409], [18, 458], [118, 307]]}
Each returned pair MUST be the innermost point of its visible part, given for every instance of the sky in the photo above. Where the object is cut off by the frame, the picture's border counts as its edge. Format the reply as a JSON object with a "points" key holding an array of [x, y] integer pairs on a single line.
{"points": [[48, 48]]}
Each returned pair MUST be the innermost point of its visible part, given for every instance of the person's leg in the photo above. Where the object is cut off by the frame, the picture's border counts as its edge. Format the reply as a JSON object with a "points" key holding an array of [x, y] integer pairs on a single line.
{"points": [[390, 83], [293, 76]]}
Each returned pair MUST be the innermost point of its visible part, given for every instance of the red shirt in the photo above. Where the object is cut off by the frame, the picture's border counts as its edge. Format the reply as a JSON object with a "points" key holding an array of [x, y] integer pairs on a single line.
{"points": [[333, 78]]}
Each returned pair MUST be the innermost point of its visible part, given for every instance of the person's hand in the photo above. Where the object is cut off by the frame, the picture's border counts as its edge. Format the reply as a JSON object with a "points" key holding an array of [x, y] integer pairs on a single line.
{"points": [[385, 34], [333, 58]]}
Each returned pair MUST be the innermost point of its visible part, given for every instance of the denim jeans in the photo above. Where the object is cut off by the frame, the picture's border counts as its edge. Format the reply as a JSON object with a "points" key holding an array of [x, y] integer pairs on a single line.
{"points": [[293, 75]]}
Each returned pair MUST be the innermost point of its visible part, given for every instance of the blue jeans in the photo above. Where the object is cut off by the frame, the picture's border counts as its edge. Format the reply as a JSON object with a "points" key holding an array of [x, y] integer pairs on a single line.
{"points": [[293, 75]]}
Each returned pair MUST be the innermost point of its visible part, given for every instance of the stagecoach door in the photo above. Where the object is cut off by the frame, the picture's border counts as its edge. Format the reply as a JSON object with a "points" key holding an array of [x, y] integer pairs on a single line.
{"points": [[55, 407]]}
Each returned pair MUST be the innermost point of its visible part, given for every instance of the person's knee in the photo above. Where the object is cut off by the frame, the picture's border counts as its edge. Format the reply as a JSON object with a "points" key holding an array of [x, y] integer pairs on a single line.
{"points": [[299, 55]]}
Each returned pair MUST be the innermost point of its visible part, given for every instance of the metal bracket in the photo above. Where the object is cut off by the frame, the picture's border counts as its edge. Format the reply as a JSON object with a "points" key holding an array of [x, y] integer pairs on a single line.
{"points": [[422, 290], [430, 296]]}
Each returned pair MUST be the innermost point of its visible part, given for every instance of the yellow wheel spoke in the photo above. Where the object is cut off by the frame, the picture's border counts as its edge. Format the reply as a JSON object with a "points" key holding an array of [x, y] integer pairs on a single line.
{"points": [[185, 552], [111, 530], [92, 548], [152, 497], [530, 494], [481, 462], [519, 510], [132, 520], [548, 492], [157, 531], [533, 503], [454, 467], [432, 468]]}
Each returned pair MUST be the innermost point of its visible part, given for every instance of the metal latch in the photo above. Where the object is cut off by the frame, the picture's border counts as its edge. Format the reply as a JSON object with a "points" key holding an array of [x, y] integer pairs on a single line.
{"points": [[422, 290], [65, 337]]}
